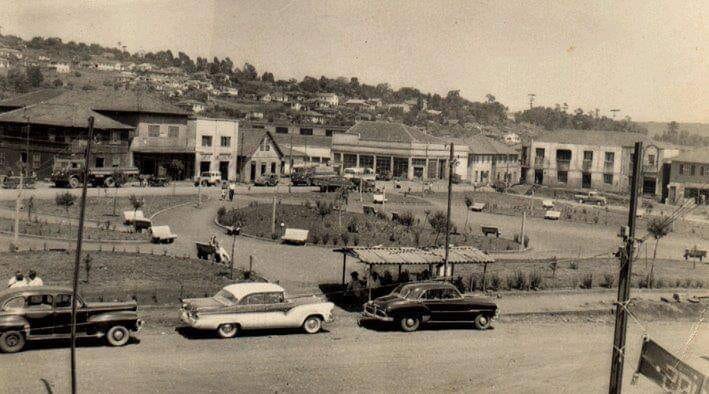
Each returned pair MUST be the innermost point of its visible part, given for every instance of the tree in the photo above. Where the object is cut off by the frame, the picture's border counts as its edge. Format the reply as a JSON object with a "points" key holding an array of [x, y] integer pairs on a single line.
{"points": [[34, 76], [658, 227], [267, 77], [324, 208], [65, 200], [249, 72], [438, 222]]}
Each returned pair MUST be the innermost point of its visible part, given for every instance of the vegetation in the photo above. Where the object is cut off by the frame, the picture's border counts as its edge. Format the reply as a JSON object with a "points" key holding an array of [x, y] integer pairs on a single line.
{"points": [[676, 136], [658, 227], [65, 200], [559, 118]]}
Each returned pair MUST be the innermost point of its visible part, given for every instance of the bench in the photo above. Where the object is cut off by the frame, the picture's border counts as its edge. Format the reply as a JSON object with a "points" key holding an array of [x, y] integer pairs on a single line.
{"points": [[491, 230], [548, 204], [477, 207], [160, 234], [142, 224], [130, 216], [379, 198], [552, 215], [295, 236]]}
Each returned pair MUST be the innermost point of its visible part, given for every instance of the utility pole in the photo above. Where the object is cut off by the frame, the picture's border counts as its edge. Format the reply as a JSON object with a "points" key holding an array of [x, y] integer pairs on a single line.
{"points": [[21, 187], [626, 265], [273, 211], [521, 237], [448, 214], [290, 165], [77, 260], [233, 246]]}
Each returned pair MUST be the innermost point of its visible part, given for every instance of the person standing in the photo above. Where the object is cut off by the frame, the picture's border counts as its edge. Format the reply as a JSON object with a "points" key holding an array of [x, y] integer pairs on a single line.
{"points": [[17, 281], [34, 280], [232, 190]]}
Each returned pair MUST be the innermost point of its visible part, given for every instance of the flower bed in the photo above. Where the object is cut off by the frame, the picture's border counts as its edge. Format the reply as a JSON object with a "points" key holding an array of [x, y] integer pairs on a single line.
{"points": [[330, 227], [63, 231]]}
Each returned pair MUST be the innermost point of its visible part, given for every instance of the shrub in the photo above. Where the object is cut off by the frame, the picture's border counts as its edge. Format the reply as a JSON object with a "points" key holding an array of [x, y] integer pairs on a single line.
{"points": [[274, 236], [518, 240], [573, 265], [65, 200], [607, 280], [659, 283], [381, 215], [315, 237], [355, 240], [326, 238], [520, 281], [324, 208], [353, 226], [407, 219], [535, 280], [495, 282], [221, 212], [587, 281]]}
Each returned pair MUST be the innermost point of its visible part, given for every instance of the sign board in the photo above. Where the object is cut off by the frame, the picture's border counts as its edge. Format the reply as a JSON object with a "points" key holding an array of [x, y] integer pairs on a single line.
{"points": [[669, 372]]}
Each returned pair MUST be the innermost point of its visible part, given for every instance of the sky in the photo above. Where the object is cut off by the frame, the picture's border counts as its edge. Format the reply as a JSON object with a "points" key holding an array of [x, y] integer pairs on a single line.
{"points": [[647, 58]]}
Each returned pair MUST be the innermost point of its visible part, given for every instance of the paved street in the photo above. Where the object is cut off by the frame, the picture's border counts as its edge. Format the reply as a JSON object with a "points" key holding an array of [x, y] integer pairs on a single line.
{"points": [[512, 357]]}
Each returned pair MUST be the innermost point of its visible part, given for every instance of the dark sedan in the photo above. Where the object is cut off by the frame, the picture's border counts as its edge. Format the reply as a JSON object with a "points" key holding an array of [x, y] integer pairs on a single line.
{"points": [[44, 312], [412, 304]]}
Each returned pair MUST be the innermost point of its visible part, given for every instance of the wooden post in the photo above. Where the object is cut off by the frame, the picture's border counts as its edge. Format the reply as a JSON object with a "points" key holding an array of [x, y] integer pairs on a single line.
{"points": [[448, 213], [369, 282], [233, 244], [251, 263], [521, 238], [484, 277], [344, 266]]}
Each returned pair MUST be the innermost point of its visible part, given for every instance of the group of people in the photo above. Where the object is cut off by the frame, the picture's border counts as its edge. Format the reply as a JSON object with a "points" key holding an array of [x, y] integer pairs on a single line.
{"points": [[228, 192], [22, 280]]}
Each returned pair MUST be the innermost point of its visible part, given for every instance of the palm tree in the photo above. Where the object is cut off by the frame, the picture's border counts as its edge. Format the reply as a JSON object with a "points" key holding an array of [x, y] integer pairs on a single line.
{"points": [[658, 227]]}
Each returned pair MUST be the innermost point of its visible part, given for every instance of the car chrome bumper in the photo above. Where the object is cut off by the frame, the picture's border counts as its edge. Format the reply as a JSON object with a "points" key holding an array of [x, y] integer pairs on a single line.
{"points": [[139, 325], [371, 316]]}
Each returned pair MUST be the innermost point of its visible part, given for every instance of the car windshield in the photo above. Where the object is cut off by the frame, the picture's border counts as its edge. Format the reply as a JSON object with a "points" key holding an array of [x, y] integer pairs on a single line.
{"points": [[226, 298], [406, 291]]}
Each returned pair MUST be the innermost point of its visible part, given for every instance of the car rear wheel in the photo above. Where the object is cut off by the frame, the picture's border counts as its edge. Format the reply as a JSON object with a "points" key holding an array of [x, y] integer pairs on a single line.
{"points": [[482, 322], [227, 330], [12, 341], [117, 336], [312, 325], [74, 182], [410, 323], [109, 182]]}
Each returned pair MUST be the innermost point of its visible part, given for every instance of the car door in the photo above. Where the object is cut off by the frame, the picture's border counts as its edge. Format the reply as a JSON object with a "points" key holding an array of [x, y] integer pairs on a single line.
{"points": [[62, 315], [262, 310], [454, 306], [432, 300], [39, 312]]}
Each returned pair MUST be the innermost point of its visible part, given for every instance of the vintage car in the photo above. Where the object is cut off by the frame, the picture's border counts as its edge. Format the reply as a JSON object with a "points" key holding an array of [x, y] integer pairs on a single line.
{"points": [[254, 305], [592, 197], [266, 180], [44, 312], [412, 304], [208, 178]]}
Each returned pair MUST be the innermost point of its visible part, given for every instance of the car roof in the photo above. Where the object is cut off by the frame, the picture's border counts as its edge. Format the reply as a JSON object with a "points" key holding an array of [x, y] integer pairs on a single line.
{"points": [[30, 290], [239, 290], [430, 285]]}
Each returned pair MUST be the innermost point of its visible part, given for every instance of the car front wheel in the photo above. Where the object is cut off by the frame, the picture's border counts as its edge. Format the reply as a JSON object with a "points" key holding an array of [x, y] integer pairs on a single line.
{"points": [[482, 322], [117, 336], [312, 325], [12, 341], [227, 330], [410, 323]]}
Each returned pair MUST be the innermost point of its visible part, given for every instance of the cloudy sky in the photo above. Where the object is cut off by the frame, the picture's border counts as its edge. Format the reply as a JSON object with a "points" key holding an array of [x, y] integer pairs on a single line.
{"points": [[647, 58]]}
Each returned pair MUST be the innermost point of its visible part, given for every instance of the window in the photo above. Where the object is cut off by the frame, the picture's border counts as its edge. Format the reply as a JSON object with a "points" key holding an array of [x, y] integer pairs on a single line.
{"points": [[681, 169], [99, 162], [306, 131], [701, 170], [329, 133], [651, 159], [608, 179], [281, 130], [206, 141], [562, 176], [225, 142], [40, 302], [273, 168], [23, 157], [14, 304], [115, 137], [610, 157], [116, 162], [173, 131], [64, 301], [36, 160], [539, 152], [588, 155], [2, 159], [692, 169], [153, 130], [263, 298]]}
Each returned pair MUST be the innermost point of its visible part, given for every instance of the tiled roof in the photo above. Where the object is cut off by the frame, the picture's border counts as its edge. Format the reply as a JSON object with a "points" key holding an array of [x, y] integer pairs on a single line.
{"points": [[592, 137], [391, 132], [699, 155], [414, 256], [250, 141], [99, 100], [62, 116], [319, 141], [482, 145]]}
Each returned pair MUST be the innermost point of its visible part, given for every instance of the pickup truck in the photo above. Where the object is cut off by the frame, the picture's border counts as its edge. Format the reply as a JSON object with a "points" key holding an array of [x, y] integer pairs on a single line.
{"points": [[593, 198], [70, 172]]}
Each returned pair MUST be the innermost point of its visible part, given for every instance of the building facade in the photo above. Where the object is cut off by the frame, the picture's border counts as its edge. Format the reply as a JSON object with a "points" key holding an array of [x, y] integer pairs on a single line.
{"points": [[689, 177], [259, 155], [216, 144], [394, 149], [491, 161]]}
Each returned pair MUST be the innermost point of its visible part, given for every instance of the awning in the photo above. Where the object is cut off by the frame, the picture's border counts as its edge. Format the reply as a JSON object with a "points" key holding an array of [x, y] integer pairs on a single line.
{"points": [[417, 256]]}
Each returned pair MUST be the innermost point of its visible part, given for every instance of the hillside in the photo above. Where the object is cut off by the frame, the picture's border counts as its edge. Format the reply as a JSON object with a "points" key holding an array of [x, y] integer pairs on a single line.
{"points": [[657, 128]]}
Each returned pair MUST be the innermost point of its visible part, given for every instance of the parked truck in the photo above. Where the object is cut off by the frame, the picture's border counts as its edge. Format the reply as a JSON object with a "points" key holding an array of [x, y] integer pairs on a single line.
{"points": [[70, 173]]}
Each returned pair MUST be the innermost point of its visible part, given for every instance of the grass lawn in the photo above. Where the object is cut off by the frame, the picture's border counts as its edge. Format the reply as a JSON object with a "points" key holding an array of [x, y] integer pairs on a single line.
{"points": [[56, 230], [152, 279], [101, 208], [348, 228]]}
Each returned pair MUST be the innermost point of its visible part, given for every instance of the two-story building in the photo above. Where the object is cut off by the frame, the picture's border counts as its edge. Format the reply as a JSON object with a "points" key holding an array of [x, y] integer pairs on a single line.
{"points": [[216, 145], [259, 155], [398, 150], [588, 159], [689, 177], [490, 161]]}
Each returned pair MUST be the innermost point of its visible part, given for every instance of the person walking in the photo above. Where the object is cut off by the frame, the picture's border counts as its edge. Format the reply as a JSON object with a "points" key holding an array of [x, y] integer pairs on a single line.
{"points": [[232, 190]]}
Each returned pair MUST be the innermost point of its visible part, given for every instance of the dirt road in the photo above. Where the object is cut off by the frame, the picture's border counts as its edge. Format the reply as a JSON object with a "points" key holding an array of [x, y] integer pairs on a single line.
{"points": [[512, 357]]}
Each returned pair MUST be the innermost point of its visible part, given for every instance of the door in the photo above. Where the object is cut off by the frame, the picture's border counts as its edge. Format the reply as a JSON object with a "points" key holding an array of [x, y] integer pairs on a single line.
{"points": [[586, 180], [252, 175], [39, 313], [204, 166], [224, 170], [62, 315], [446, 305], [538, 177], [265, 310]]}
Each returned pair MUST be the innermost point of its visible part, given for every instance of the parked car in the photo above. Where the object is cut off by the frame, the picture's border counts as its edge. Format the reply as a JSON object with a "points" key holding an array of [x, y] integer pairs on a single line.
{"points": [[208, 178], [44, 312], [359, 173], [592, 197], [266, 180], [158, 181], [254, 305], [412, 304]]}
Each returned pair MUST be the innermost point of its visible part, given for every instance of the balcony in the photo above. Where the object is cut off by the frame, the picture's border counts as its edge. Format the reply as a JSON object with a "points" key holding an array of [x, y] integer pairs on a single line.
{"points": [[586, 165], [562, 164]]}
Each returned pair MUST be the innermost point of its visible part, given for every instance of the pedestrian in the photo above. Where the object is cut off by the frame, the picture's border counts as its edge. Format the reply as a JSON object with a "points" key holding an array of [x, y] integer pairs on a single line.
{"points": [[17, 281], [34, 280], [355, 287], [232, 190], [222, 197]]}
